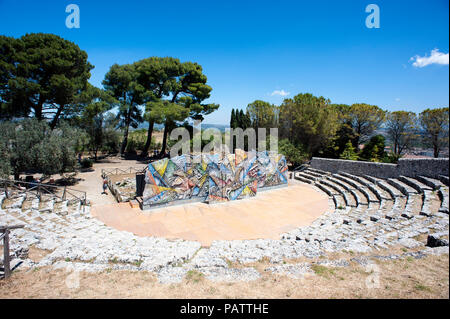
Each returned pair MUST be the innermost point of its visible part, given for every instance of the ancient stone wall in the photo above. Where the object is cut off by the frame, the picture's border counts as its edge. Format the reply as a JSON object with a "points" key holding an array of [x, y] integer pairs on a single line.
{"points": [[432, 167]]}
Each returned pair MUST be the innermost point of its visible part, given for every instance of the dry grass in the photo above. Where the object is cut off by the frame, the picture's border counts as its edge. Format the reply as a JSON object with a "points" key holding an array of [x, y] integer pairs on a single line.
{"points": [[407, 278]]}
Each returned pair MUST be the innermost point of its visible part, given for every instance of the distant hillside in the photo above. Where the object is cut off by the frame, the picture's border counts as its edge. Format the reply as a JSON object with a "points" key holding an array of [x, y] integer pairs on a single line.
{"points": [[158, 127], [221, 127]]}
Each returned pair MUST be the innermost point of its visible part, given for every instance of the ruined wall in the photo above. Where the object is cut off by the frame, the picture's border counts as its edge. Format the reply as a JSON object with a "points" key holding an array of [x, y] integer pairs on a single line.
{"points": [[431, 167], [212, 178]]}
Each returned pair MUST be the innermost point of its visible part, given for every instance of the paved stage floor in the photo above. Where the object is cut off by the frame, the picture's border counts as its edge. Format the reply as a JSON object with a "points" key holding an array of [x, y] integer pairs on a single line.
{"points": [[267, 215]]}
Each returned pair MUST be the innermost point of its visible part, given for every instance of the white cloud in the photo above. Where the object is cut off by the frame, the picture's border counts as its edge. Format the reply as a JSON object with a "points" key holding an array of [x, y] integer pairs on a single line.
{"points": [[436, 57], [280, 92], [397, 99]]}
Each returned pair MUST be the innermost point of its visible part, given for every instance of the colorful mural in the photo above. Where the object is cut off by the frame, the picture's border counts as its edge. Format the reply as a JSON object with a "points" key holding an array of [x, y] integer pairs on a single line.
{"points": [[212, 177]]}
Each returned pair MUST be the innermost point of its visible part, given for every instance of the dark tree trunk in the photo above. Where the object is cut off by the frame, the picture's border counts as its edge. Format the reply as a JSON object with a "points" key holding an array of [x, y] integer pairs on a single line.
{"points": [[164, 143], [149, 139], [436, 151], [124, 141], [55, 118], [38, 108], [125, 133], [38, 113], [167, 127], [436, 146]]}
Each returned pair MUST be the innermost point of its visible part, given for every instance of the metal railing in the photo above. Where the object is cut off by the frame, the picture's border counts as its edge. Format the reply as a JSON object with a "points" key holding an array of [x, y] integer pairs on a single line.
{"points": [[118, 171], [298, 169], [4, 235], [39, 189]]}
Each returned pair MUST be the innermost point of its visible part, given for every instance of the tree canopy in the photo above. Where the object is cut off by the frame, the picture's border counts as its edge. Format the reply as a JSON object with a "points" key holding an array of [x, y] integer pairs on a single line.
{"points": [[434, 124], [401, 129], [239, 119], [365, 119], [121, 82], [262, 114], [41, 76], [171, 85], [308, 120]]}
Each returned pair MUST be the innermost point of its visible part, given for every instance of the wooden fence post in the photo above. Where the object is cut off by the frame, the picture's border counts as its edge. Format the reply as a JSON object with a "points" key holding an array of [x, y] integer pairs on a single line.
{"points": [[6, 189], [6, 265]]}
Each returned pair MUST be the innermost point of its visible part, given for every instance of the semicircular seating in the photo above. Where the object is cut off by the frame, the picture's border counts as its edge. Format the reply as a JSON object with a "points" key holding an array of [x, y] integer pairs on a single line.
{"points": [[368, 198]]}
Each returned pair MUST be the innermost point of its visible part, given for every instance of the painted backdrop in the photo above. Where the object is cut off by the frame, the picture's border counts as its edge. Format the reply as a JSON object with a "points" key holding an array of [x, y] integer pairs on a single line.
{"points": [[212, 178]]}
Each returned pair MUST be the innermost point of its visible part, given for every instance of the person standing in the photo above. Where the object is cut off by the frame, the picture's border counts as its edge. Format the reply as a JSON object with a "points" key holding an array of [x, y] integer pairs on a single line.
{"points": [[105, 186]]}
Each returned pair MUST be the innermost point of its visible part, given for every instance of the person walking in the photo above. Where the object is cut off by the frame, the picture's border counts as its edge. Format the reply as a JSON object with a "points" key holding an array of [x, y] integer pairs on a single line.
{"points": [[105, 186]]}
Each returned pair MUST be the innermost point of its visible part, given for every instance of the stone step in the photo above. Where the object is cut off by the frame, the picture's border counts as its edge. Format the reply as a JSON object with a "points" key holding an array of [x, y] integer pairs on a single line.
{"points": [[2, 197], [302, 179], [31, 202], [307, 176], [413, 204], [429, 200], [313, 173], [414, 183], [318, 171], [444, 179], [61, 208], [391, 190], [443, 194], [338, 188], [339, 202], [74, 207], [404, 188], [386, 205], [350, 198], [329, 191], [399, 205], [377, 191], [14, 201], [370, 196], [435, 184], [46, 205], [373, 207]]}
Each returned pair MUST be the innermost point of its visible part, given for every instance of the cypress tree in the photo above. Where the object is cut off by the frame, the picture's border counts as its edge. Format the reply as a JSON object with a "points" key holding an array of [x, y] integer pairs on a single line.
{"points": [[241, 119], [233, 119]]}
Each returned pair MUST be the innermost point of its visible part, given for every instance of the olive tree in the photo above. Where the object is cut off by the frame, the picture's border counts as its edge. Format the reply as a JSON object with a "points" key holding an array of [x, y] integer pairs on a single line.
{"points": [[31, 145]]}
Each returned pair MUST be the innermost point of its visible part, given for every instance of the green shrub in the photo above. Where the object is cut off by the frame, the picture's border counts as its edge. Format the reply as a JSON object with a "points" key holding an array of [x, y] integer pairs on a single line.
{"points": [[349, 152], [86, 163], [373, 150], [294, 154]]}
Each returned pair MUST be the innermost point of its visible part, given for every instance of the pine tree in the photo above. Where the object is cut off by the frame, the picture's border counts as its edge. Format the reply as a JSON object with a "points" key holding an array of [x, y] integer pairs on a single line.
{"points": [[349, 152], [233, 119]]}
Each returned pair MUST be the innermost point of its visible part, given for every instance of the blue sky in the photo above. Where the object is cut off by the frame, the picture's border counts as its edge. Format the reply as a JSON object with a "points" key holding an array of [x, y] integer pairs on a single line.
{"points": [[251, 49]]}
